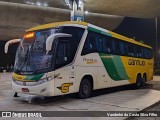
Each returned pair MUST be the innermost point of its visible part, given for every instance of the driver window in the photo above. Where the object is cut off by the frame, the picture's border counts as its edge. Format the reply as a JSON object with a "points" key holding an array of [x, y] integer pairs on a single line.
{"points": [[63, 56]]}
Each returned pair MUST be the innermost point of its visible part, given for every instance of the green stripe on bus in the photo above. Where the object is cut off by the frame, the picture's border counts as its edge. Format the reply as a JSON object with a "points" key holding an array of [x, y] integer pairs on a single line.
{"points": [[114, 66], [34, 77], [37, 77], [99, 31], [105, 33], [120, 67], [94, 30]]}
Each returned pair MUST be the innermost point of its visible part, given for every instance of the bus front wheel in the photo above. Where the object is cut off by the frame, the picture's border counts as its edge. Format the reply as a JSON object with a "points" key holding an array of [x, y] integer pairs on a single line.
{"points": [[85, 89]]}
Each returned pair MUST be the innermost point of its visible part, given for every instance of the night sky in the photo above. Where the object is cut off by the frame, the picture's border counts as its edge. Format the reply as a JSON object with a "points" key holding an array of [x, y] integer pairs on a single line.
{"points": [[140, 29]]}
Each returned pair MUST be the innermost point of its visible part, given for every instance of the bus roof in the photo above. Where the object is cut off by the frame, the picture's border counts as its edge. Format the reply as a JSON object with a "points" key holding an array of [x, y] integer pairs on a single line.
{"points": [[93, 27], [55, 24]]}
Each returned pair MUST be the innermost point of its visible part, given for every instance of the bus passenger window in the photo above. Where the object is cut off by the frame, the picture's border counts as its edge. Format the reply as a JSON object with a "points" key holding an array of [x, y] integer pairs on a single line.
{"points": [[93, 45], [107, 45], [99, 42], [139, 52], [150, 53], [116, 47], [131, 50], [125, 49], [122, 48], [147, 53], [90, 45]]}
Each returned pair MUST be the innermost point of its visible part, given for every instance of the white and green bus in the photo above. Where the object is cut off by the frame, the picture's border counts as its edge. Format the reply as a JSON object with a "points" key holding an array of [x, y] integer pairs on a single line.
{"points": [[77, 57]]}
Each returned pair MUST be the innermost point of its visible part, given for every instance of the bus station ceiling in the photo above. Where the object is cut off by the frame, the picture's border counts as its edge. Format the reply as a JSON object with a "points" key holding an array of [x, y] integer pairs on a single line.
{"points": [[130, 8], [18, 15]]}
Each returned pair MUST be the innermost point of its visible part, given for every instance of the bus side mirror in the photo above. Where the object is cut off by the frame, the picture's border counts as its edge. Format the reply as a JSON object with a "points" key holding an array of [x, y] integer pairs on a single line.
{"points": [[9, 43], [52, 37]]}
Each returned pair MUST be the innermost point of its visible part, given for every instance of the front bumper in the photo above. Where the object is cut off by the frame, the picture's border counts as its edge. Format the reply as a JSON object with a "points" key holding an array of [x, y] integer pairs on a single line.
{"points": [[44, 89]]}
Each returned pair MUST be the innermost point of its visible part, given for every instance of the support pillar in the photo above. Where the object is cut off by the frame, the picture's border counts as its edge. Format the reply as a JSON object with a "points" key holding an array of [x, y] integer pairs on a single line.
{"points": [[77, 13]]}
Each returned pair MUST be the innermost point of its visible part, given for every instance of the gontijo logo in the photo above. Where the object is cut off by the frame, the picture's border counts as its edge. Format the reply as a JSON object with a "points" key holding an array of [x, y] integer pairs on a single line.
{"points": [[65, 87], [136, 62]]}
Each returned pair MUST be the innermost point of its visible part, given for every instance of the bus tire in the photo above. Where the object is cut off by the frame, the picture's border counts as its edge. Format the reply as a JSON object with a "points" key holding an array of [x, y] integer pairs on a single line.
{"points": [[144, 79], [85, 89], [138, 82]]}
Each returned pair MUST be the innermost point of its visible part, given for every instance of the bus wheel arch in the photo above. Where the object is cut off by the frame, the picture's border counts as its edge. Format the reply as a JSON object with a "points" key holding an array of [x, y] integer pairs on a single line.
{"points": [[86, 87]]}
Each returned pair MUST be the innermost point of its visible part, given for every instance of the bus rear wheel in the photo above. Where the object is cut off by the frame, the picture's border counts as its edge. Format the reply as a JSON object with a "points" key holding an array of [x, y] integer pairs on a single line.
{"points": [[144, 79], [85, 89], [138, 82]]}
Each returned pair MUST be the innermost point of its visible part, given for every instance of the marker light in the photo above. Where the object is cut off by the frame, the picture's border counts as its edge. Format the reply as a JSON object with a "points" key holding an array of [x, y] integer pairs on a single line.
{"points": [[29, 35]]}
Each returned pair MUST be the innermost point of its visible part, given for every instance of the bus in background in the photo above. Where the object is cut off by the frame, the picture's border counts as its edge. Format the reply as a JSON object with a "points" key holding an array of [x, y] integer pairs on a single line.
{"points": [[78, 57]]}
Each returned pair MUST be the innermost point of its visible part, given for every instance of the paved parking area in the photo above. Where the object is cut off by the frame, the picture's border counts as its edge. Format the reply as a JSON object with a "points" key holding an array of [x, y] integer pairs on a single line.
{"points": [[115, 99]]}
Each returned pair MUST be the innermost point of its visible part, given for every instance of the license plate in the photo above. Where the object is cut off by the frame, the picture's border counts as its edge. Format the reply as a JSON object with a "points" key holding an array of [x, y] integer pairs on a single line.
{"points": [[25, 90]]}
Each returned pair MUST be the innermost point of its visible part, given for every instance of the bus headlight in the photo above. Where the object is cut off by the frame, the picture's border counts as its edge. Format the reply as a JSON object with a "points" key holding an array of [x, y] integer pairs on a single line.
{"points": [[41, 81], [50, 78]]}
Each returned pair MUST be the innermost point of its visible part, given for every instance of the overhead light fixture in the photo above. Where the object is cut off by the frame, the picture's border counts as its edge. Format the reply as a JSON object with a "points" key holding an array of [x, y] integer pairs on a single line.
{"points": [[29, 3], [38, 3], [45, 4], [80, 2], [86, 12], [67, 2]]}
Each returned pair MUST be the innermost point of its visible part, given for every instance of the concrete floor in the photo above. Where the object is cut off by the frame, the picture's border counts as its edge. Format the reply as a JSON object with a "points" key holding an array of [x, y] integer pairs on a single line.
{"points": [[115, 99], [156, 107]]}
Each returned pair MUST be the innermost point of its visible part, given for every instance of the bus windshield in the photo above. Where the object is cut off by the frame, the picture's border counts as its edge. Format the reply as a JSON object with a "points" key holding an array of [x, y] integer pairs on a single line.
{"points": [[31, 57]]}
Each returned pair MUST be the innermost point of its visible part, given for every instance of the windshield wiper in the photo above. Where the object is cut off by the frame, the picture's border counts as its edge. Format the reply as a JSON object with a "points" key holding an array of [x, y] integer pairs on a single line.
{"points": [[27, 53], [27, 57]]}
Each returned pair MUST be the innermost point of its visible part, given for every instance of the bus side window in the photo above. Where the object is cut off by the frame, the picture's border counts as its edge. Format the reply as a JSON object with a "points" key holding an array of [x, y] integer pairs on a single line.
{"points": [[147, 53], [144, 53], [99, 42], [150, 54], [126, 49], [91, 44], [116, 47], [122, 48], [139, 52], [131, 50], [107, 45]]}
